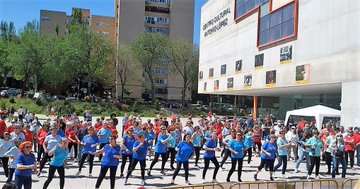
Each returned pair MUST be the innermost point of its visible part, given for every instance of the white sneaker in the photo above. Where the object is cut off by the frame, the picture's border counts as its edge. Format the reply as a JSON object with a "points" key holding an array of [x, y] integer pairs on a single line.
{"points": [[214, 181], [273, 175], [284, 176], [78, 173], [125, 182], [296, 170], [317, 177], [308, 177], [142, 182], [203, 181], [90, 176]]}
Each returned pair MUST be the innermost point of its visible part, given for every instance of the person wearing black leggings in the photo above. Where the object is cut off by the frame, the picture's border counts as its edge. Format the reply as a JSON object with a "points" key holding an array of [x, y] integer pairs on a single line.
{"points": [[50, 142], [237, 149], [209, 155], [185, 148], [89, 143], [315, 145], [160, 150], [282, 145], [127, 150], [226, 142], [111, 158], [57, 163], [196, 140], [139, 156]]}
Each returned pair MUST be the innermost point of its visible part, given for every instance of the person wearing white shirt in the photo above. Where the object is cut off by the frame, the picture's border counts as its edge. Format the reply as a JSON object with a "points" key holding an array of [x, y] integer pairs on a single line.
{"points": [[292, 137]]}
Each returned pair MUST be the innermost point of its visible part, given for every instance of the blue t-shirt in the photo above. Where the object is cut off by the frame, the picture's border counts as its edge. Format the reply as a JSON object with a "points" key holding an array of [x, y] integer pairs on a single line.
{"points": [[129, 143], [210, 143], [316, 148], [59, 157], [270, 148], [60, 132], [249, 140], [185, 150], [160, 147], [140, 154], [24, 159], [104, 135], [88, 141], [14, 151], [5, 146], [172, 140], [197, 140], [237, 146], [109, 152], [51, 141], [281, 151], [150, 137]]}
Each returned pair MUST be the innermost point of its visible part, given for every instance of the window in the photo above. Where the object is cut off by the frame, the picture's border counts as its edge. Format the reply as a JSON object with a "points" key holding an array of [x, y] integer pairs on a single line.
{"points": [[277, 25], [161, 91], [103, 24], [245, 6], [157, 9], [157, 30], [161, 81], [211, 72], [157, 20], [201, 75], [45, 18], [223, 69], [160, 71], [158, 1]]}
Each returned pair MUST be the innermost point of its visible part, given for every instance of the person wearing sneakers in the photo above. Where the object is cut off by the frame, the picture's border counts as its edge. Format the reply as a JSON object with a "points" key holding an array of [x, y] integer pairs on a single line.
{"points": [[196, 140], [110, 161], [282, 149], [184, 150], [315, 145], [268, 152], [139, 155], [209, 155], [160, 150], [127, 149], [226, 142], [89, 143], [248, 142], [338, 155], [57, 163], [303, 151], [237, 149]]}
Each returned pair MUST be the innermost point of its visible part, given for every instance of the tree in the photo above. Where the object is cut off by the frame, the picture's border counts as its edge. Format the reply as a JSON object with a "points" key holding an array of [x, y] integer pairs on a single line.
{"points": [[183, 59], [125, 63], [29, 55], [7, 31], [149, 50]]}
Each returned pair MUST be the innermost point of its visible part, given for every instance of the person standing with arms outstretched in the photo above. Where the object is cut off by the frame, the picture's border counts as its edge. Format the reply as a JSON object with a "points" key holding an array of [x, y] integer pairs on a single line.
{"points": [[139, 156], [237, 149], [57, 163], [184, 150], [210, 147]]}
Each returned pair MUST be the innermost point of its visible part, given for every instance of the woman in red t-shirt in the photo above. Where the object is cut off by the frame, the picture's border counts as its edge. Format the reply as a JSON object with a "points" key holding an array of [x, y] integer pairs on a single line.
{"points": [[72, 138], [41, 135], [257, 139], [349, 148]]}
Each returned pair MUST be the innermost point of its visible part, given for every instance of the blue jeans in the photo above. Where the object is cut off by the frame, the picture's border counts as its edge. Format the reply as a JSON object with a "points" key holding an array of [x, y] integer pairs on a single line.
{"points": [[357, 149], [23, 181], [335, 162], [303, 154]]}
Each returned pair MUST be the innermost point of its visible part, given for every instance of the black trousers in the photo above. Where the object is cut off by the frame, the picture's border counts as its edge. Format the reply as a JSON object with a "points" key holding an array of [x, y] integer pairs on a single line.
{"points": [[100, 147], [40, 152], [178, 167], [239, 162], [328, 159], [206, 167], [283, 162], [70, 145], [156, 158], [268, 163], [314, 161], [197, 154], [43, 161], [258, 144], [60, 170], [225, 157], [349, 154], [124, 158], [248, 151], [91, 162], [133, 165], [10, 175], [21, 181], [5, 164], [171, 153], [102, 175]]}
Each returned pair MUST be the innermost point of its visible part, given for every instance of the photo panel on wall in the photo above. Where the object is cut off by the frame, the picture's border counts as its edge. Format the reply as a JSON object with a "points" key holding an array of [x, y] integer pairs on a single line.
{"points": [[270, 78], [259, 61], [238, 66], [302, 74]]}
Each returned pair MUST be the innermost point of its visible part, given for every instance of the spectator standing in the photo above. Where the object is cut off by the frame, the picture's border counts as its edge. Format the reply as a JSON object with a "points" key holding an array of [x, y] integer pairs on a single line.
{"points": [[25, 164]]}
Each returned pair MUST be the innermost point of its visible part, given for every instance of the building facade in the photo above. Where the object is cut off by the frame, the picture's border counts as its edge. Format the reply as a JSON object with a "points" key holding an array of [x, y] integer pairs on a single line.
{"points": [[301, 52], [173, 18], [53, 22]]}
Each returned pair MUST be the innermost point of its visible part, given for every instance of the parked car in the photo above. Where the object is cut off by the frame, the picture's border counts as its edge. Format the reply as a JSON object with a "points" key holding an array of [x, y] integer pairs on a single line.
{"points": [[39, 95], [70, 98], [8, 92]]}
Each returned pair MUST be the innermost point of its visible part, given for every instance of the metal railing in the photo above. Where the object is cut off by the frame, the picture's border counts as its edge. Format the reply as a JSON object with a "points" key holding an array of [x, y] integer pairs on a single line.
{"points": [[345, 183], [291, 184], [197, 186]]}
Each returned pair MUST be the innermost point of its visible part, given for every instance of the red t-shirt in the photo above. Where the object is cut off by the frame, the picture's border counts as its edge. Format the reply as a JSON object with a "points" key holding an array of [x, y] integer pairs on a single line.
{"points": [[256, 135], [10, 129], [349, 147], [218, 127], [356, 138], [71, 134], [113, 131], [41, 134], [128, 124], [2, 127], [97, 126], [28, 135]]}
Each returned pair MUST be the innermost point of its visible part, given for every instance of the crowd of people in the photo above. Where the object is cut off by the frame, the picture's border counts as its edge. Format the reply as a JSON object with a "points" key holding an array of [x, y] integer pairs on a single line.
{"points": [[26, 146]]}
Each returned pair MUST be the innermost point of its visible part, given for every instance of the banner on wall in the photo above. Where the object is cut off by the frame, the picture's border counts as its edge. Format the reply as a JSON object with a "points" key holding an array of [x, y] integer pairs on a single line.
{"points": [[238, 66], [201, 75], [211, 72], [302, 74], [259, 61], [270, 78], [230, 83], [216, 85], [247, 81], [286, 54], [223, 69]]}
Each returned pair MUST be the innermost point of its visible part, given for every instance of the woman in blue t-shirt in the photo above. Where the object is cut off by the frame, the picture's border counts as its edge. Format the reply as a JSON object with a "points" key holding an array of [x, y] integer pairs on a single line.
{"points": [[184, 150], [171, 146], [196, 140], [110, 161], [160, 150], [268, 152], [282, 145], [248, 142], [210, 148], [25, 164], [315, 145], [237, 149], [57, 163], [89, 143], [127, 149], [139, 155]]}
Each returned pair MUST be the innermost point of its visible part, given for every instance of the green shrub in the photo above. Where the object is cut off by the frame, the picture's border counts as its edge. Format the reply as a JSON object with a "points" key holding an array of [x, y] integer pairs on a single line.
{"points": [[12, 100]]}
